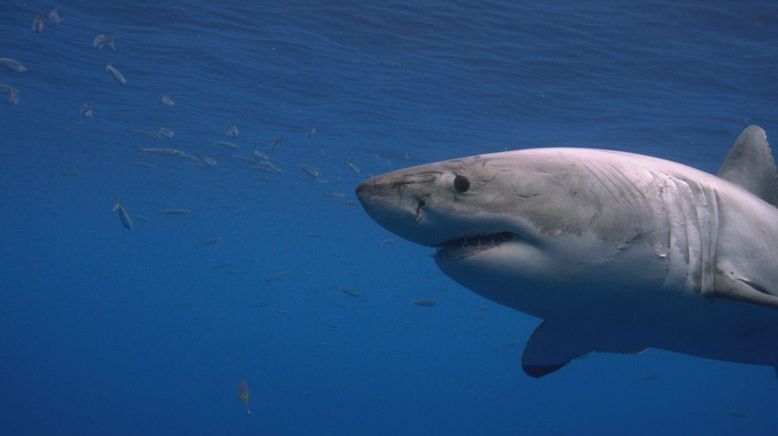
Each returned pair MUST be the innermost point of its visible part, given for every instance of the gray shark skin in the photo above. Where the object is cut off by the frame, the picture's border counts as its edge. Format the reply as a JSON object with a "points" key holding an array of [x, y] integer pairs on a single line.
{"points": [[615, 252]]}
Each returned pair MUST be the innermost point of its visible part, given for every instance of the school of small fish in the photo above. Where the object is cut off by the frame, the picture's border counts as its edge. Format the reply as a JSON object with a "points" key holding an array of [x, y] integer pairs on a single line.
{"points": [[152, 156]]}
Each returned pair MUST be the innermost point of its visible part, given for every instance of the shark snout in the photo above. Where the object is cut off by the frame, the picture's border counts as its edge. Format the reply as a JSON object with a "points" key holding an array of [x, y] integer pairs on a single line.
{"points": [[365, 190], [397, 205], [383, 189], [380, 195], [371, 193]]}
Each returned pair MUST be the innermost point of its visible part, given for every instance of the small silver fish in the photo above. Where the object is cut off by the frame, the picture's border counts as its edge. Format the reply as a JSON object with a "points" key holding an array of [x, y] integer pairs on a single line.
{"points": [[13, 94], [261, 155], [209, 161], [13, 65], [267, 166], [164, 132], [116, 74], [142, 219], [141, 164], [386, 242], [259, 305], [209, 242], [175, 211], [275, 143], [353, 166], [734, 413], [311, 132], [161, 151], [327, 181], [349, 203], [310, 170], [54, 17], [351, 292], [37, 24], [648, 377], [335, 194], [167, 101], [13, 97], [243, 394], [244, 159], [232, 131], [145, 132], [226, 144], [506, 345], [124, 217], [276, 277], [191, 157], [102, 40], [70, 173], [86, 110], [425, 302]]}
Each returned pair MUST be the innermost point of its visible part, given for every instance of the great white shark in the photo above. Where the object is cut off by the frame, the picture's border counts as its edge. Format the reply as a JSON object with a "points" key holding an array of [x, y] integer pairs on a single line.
{"points": [[614, 252]]}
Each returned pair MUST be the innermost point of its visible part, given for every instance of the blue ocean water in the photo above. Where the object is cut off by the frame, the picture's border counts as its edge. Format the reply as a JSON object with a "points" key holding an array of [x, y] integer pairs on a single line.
{"points": [[107, 331]]}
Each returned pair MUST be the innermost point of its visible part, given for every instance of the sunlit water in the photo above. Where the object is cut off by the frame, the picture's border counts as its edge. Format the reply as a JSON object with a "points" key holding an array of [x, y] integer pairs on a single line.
{"points": [[150, 331]]}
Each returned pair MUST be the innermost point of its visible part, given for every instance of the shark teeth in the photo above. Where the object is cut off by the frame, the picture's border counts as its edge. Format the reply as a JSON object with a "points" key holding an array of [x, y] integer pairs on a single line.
{"points": [[468, 246]]}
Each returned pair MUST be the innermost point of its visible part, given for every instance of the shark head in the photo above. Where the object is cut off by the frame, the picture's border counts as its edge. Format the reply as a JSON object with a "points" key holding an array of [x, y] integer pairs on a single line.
{"points": [[458, 206], [516, 227]]}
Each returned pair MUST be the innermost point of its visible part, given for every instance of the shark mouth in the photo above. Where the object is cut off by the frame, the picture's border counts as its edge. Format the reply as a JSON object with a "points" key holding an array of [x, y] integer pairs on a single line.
{"points": [[472, 245]]}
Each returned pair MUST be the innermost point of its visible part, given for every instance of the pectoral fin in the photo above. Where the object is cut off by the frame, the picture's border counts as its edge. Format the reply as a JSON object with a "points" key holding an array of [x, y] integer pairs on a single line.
{"points": [[553, 345], [733, 287]]}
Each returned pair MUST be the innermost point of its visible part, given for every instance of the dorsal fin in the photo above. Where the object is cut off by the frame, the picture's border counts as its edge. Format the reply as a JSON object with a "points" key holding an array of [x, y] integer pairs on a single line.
{"points": [[751, 165]]}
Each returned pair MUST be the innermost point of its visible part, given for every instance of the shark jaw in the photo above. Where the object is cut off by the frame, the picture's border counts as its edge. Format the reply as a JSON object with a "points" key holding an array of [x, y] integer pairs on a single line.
{"points": [[464, 247], [466, 230]]}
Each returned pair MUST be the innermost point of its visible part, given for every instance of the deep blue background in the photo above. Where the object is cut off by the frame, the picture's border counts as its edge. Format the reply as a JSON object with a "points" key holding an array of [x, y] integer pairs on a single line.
{"points": [[105, 331]]}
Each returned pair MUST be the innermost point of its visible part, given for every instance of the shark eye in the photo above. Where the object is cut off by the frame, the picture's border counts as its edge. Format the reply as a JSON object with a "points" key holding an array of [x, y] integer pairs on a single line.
{"points": [[461, 184]]}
